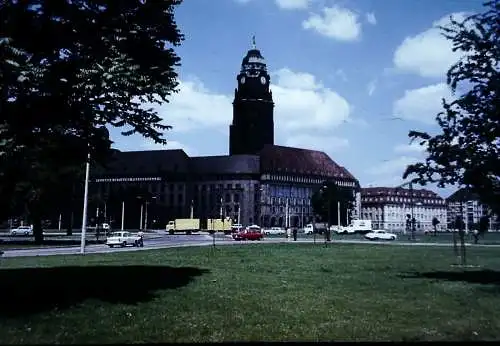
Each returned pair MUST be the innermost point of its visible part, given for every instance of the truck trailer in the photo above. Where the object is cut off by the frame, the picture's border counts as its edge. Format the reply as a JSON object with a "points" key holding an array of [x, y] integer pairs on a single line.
{"points": [[183, 225]]}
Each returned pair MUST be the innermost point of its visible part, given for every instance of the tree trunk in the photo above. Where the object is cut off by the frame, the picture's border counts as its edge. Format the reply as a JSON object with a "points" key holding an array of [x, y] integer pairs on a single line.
{"points": [[69, 227], [33, 210], [37, 228], [462, 248], [455, 247], [435, 230]]}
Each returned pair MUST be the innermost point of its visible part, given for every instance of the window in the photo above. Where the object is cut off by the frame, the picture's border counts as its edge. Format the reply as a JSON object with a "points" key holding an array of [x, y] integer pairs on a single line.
{"points": [[236, 198], [228, 198]]}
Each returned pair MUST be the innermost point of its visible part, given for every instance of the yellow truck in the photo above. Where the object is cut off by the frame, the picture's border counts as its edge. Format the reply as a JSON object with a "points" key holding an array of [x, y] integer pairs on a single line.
{"points": [[183, 225], [218, 225]]}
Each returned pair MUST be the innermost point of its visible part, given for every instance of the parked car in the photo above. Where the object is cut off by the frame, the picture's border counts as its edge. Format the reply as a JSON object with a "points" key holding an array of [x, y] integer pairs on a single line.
{"points": [[250, 233], [123, 239], [380, 235], [22, 230], [274, 230]]}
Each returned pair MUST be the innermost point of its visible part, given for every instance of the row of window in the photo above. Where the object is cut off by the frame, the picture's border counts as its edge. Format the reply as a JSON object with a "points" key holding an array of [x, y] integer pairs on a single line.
{"points": [[291, 210], [403, 200], [304, 180]]}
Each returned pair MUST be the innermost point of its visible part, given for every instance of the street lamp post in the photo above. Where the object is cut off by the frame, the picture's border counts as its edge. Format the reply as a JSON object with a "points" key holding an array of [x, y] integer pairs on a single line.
{"points": [[85, 204], [146, 216], [123, 214], [142, 211]]}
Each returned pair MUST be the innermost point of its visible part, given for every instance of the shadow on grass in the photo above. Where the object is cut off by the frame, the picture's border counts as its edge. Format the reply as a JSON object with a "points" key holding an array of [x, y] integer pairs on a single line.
{"points": [[485, 277], [26, 291]]}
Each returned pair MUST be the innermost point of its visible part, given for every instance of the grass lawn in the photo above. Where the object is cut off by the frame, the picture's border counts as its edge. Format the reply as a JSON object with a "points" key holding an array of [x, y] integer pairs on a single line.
{"points": [[274, 292], [490, 238]]}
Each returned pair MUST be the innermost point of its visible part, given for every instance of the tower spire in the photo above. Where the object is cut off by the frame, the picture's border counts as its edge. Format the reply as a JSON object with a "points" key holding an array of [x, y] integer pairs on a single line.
{"points": [[253, 42]]}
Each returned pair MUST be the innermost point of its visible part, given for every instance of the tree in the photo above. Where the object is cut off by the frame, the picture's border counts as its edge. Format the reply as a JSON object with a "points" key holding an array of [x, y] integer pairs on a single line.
{"points": [[435, 223], [325, 202], [467, 151], [68, 69]]}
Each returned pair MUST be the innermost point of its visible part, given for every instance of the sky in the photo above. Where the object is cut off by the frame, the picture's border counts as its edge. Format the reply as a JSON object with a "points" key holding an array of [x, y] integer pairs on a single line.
{"points": [[349, 77]]}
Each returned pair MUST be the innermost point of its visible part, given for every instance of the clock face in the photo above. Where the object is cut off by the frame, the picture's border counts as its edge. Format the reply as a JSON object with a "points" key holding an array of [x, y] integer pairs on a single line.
{"points": [[263, 80], [242, 80]]}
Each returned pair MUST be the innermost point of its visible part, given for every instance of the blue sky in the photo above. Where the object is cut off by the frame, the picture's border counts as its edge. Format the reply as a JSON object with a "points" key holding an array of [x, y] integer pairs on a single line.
{"points": [[340, 71]]}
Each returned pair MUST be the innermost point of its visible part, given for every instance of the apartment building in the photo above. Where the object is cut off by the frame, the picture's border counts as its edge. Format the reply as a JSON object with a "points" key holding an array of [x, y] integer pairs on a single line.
{"points": [[387, 207]]}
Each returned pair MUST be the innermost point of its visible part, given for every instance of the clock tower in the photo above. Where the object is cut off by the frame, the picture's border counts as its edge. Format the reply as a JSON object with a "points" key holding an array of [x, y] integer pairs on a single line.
{"points": [[253, 124]]}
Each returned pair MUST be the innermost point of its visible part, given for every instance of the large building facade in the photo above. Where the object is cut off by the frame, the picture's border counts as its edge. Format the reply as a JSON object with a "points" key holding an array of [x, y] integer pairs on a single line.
{"points": [[387, 207], [257, 183]]}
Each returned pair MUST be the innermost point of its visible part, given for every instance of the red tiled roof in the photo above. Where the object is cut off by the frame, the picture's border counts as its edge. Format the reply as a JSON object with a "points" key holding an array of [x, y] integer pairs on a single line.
{"points": [[275, 158]]}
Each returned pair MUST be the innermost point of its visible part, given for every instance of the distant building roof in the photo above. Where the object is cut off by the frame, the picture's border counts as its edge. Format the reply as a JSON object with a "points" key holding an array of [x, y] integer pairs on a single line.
{"points": [[397, 195], [393, 191], [151, 162], [234, 164], [275, 158]]}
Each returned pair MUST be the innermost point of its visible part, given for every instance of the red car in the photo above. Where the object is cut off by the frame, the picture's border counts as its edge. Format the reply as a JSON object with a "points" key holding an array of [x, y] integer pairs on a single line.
{"points": [[249, 234]]}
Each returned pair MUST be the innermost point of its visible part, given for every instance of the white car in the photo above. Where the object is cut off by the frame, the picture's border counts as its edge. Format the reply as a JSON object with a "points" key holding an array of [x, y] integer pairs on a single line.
{"points": [[274, 230], [380, 235], [21, 230], [123, 239]]}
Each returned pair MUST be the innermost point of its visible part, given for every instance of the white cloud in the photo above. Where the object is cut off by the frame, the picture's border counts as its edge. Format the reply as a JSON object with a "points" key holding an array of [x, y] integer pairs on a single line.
{"points": [[370, 18], [428, 53], [412, 148], [194, 106], [340, 74], [371, 87], [322, 143], [297, 96], [293, 4], [393, 167], [422, 104], [386, 181], [335, 22], [300, 96]]}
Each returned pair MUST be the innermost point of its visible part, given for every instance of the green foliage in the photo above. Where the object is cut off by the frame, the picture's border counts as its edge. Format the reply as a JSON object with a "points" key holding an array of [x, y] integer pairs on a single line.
{"points": [[435, 221], [70, 68], [467, 151], [325, 202]]}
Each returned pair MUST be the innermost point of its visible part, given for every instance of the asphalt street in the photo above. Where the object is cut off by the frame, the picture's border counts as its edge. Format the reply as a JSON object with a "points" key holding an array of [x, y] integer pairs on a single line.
{"points": [[161, 241]]}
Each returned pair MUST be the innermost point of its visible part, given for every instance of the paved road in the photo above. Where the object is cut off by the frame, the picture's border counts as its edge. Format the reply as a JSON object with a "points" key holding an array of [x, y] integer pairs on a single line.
{"points": [[170, 241]]}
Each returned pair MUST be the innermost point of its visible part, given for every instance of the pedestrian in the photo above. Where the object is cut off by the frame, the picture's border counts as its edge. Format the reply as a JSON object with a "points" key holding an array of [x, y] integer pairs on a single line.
{"points": [[476, 236], [141, 240], [294, 231]]}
